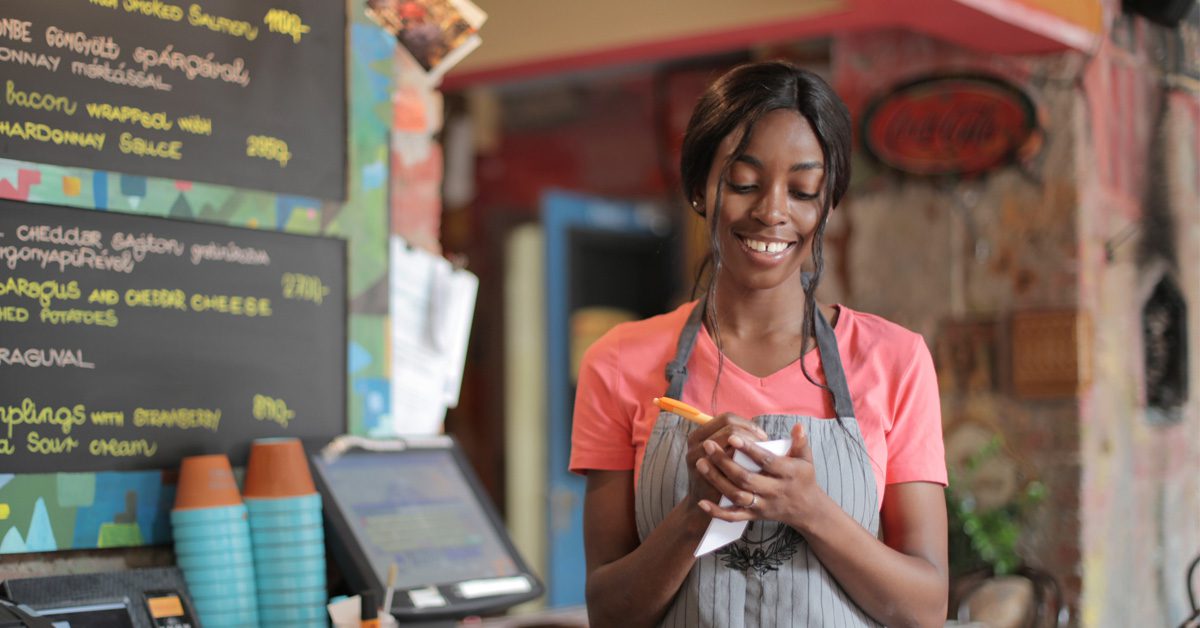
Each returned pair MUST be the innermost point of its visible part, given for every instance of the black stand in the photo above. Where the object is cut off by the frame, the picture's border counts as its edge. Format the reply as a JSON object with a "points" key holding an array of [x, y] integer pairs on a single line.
{"points": [[439, 623]]}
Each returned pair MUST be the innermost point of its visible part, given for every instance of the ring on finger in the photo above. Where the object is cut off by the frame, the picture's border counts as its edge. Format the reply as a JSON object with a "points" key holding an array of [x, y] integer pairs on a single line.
{"points": [[753, 500]]}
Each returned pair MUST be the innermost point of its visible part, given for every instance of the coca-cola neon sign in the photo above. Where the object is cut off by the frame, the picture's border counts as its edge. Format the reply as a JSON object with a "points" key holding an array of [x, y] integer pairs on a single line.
{"points": [[950, 125]]}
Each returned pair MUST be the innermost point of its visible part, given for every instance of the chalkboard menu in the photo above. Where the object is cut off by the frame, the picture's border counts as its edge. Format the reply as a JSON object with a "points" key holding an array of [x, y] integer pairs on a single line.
{"points": [[128, 342], [248, 94]]}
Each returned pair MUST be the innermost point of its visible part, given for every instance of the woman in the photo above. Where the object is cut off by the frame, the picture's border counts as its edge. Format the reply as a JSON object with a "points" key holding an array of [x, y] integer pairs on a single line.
{"points": [[848, 528]]}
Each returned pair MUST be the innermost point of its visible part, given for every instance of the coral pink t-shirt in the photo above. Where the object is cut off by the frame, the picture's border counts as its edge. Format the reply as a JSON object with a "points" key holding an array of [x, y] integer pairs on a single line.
{"points": [[888, 368]]}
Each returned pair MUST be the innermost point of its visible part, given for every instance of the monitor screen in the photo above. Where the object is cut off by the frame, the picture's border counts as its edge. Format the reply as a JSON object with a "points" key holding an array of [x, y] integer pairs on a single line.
{"points": [[416, 509], [416, 504]]}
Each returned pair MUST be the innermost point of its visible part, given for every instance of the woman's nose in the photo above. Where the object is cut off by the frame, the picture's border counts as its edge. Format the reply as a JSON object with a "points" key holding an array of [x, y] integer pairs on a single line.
{"points": [[771, 209]]}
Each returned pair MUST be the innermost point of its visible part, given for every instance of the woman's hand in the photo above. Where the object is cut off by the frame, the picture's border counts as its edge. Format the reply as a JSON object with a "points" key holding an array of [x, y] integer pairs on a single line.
{"points": [[786, 489], [717, 435]]}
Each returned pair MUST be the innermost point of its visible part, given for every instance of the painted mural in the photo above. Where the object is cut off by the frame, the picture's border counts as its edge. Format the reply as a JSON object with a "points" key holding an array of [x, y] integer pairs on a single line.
{"points": [[56, 511]]}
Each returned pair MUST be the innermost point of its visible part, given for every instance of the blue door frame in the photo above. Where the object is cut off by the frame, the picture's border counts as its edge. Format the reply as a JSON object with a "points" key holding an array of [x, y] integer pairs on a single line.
{"points": [[563, 213]]}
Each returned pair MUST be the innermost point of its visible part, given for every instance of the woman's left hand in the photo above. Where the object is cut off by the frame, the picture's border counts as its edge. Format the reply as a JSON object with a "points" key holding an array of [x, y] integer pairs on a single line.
{"points": [[786, 489]]}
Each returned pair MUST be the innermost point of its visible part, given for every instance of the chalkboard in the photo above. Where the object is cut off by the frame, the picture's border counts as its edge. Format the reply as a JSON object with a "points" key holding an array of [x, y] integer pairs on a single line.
{"points": [[248, 94], [127, 342]]}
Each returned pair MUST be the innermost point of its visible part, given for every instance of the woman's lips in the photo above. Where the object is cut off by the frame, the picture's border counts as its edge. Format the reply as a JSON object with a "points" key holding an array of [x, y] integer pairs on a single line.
{"points": [[764, 248]]}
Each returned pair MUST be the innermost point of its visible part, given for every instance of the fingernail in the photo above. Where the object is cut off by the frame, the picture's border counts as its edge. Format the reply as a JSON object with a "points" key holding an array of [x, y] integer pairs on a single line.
{"points": [[705, 506], [710, 447], [702, 465], [736, 441]]}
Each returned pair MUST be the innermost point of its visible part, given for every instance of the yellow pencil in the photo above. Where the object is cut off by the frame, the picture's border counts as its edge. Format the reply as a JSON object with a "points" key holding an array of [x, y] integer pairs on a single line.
{"points": [[682, 409], [393, 571]]}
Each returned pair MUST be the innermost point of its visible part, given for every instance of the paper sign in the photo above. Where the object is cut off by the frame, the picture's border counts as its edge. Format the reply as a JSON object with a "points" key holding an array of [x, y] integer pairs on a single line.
{"points": [[432, 305]]}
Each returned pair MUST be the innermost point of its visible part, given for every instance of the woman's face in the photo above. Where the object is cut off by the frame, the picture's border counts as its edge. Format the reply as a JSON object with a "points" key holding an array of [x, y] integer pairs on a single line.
{"points": [[770, 203]]}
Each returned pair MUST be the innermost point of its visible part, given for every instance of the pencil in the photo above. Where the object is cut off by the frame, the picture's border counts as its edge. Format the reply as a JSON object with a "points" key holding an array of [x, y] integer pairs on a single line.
{"points": [[391, 588], [682, 409]]}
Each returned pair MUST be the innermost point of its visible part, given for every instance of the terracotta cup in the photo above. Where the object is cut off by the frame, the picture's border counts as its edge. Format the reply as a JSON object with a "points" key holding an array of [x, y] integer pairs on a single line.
{"points": [[206, 482], [277, 469]]}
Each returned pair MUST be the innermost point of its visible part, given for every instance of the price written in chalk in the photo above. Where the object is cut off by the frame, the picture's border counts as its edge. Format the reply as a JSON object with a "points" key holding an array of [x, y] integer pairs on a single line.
{"points": [[298, 287], [287, 23], [272, 409], [269, 148]]}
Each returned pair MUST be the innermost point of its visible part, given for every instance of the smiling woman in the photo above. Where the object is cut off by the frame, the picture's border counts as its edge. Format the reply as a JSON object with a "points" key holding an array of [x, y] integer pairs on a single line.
{"points": [[765, 160], [766, 222]]}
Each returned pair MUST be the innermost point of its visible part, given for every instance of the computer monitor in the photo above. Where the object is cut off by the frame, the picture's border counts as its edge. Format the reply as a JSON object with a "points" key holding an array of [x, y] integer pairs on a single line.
{"points": [[418, 505]]}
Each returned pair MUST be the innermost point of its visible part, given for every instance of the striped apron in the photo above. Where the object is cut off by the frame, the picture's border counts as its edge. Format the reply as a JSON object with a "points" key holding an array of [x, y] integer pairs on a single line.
{"points": [[770, 577]]}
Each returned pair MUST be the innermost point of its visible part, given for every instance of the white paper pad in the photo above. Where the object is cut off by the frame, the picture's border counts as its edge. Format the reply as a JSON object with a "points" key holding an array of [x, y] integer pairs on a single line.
{"points": [[721, 533]]}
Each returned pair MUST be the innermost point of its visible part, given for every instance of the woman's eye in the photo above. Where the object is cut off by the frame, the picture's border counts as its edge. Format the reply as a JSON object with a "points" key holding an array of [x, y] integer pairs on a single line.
{"points": [[803, 196], [740, 189]]}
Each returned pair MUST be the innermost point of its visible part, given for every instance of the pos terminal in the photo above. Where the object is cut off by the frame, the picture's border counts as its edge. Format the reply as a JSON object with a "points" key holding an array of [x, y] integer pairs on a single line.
{"points": [[137, 598], [416, 504]]}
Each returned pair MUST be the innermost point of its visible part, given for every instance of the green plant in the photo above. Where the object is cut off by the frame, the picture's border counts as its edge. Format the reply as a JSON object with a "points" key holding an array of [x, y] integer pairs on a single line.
{"points": [[986, 537]]}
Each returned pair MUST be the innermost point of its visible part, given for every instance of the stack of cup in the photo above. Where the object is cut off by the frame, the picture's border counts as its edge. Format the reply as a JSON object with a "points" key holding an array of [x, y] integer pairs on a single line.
{"points": [[212, 543], [287, 534]]}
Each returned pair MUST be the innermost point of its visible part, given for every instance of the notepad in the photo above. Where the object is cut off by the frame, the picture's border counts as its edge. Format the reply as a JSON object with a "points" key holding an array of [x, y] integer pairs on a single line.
{"points": [[721, 533]]}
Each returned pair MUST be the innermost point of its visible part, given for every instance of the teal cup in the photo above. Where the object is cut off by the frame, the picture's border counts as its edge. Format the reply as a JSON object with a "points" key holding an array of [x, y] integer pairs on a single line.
{"points": [[290, 582], [283, 504], [296, 597], [287, 536], [272, 568]]}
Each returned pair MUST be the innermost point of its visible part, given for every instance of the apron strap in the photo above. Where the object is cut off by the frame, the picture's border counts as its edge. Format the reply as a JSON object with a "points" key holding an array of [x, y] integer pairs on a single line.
{"points": [[831, 363], [827, 349], [677, 367]]}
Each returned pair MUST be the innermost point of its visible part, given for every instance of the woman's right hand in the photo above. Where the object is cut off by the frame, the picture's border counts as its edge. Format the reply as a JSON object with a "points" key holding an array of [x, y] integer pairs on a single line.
{"points": [[718, 431]]}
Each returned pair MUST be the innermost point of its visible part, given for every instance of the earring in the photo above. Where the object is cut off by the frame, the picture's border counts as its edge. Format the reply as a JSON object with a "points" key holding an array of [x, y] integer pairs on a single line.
{"points": [[695, 204]]}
